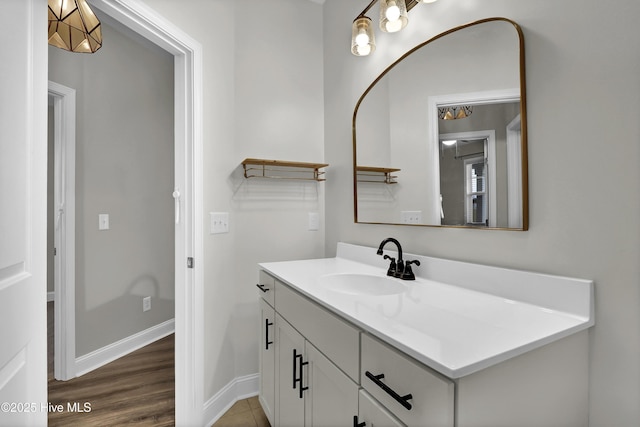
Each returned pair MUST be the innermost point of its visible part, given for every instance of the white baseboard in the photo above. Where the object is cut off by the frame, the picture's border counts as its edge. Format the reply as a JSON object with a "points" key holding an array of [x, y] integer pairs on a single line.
{"points": [[111, 352], [238, 389]]}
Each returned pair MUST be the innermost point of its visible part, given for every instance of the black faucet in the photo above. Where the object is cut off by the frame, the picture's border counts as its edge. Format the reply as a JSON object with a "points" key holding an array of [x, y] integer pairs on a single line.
{"points": [[398, 268]]}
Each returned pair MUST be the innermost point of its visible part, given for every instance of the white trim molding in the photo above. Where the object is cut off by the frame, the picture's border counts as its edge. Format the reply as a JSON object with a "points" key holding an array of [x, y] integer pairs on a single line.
{"points": [[64, 118], [111, 352], [189, 181], [239, 388]]}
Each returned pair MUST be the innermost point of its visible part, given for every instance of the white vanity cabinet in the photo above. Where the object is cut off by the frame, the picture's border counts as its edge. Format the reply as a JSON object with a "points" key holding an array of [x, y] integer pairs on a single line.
{"points": [[415, 394], [314, 351], [509, 351], [267, 345], [372, 414], [310, 389], [267, 359]]}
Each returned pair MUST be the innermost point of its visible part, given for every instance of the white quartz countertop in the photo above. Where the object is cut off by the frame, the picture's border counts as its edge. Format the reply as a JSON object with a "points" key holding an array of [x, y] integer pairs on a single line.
{"points": [[452, 328]]}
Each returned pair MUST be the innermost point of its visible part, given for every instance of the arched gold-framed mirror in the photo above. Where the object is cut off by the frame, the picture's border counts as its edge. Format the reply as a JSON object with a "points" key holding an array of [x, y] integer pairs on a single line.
{"points": [[440, 136]]}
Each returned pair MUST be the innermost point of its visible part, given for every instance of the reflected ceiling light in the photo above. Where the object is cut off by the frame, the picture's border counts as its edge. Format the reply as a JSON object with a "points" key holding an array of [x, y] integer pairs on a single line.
{"points": [[449, 142], [393, 18], [455, 112], [73, 26]]}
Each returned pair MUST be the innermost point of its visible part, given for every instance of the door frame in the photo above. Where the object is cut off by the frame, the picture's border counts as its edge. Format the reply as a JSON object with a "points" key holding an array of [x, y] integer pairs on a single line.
{"points": [[189, 283], [472, 98], [514, 173], [64, 142], [490, 155]]}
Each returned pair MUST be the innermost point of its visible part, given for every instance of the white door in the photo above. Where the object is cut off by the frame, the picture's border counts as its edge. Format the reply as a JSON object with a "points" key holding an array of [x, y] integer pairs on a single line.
{"points": [[23, 166]]}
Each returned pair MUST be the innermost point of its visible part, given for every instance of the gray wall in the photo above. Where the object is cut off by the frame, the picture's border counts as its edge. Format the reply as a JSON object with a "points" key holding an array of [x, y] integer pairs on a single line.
{"points": [[263, 97], [124, 155], [582, 86]]}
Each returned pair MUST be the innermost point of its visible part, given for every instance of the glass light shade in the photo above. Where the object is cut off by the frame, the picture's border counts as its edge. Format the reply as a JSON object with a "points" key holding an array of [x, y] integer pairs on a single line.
{"points": [[73, 26], [363, 41], [393, 15]]}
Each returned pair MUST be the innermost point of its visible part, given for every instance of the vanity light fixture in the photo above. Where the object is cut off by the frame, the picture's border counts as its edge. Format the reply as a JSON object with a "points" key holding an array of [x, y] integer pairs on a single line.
{"points": [[393, 18], [73, 26], [455, 112], [363, 41]]}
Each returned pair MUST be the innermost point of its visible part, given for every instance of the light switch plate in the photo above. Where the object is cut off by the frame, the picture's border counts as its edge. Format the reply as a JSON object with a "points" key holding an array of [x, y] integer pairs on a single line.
{"points": [[314, 221], [219, 222], [103, 221]]}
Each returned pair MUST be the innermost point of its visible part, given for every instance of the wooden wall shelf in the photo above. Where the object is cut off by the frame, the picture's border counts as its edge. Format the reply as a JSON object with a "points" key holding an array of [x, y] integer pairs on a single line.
{"points": [[376, 174], [281, 169]]}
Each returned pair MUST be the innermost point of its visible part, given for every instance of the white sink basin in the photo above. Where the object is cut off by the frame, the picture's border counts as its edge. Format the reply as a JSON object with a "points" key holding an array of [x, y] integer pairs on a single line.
{"points": [[362, 284]]}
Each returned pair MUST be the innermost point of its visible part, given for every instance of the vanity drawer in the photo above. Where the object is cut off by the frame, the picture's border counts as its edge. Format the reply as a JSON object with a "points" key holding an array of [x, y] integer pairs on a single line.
{"points": [[267, 287], [386, 372], [335, 338]]}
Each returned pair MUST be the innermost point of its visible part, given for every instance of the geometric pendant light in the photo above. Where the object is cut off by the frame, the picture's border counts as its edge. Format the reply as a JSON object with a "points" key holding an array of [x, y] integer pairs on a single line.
{"points": [[73, 26]]}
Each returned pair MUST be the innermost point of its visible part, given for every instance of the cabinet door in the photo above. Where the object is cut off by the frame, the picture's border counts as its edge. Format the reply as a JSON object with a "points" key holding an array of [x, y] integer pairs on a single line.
{"points": [[267, 359], [373, 414], [289, 352], [332, 397]]}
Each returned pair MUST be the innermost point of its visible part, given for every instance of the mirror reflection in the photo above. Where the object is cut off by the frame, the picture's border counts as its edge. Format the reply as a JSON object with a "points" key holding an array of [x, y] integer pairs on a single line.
{"points": [[440, 137]]}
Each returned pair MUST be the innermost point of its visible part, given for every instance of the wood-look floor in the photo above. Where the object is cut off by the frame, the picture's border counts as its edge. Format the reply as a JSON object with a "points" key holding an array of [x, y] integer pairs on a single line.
{"points": [[138, 388]]}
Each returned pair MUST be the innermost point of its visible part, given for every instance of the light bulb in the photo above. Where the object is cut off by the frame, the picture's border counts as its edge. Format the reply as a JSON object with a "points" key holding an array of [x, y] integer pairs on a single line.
{"points": [[393, 11], [363, 50], [362, 39], [393, 26]]}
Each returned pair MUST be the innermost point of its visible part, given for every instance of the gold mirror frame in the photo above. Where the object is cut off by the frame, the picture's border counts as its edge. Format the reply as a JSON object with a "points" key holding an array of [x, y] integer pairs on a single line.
{"points": [[523, 139]]}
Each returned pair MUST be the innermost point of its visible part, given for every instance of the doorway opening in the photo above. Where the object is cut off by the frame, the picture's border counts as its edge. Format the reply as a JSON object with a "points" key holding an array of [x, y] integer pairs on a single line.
{"points": [[189, 312]]}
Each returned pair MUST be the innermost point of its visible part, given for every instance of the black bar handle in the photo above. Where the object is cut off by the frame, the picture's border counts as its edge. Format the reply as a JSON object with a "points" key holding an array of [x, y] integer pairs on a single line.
{"points": [[266, 327], [356, 423], [262, 288], [295, 357], [301, 364], [400, 399]]}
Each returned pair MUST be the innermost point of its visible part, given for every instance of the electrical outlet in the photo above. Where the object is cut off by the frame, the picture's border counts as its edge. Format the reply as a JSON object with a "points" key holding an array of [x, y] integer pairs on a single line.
{"points": [[219, 222], [411, 217], [146, 303]]}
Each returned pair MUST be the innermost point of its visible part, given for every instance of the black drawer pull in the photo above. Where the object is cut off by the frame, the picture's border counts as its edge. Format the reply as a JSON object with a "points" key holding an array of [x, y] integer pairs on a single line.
{"points": [[299, 379], [400, 399], [266, 327], [263, 288], [302, 388], [295, 359], [356, 423]]}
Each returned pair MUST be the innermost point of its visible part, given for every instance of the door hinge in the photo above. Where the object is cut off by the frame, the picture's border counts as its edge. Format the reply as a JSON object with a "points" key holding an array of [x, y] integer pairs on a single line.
{"points": [[55, 251], [190, 262]]}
